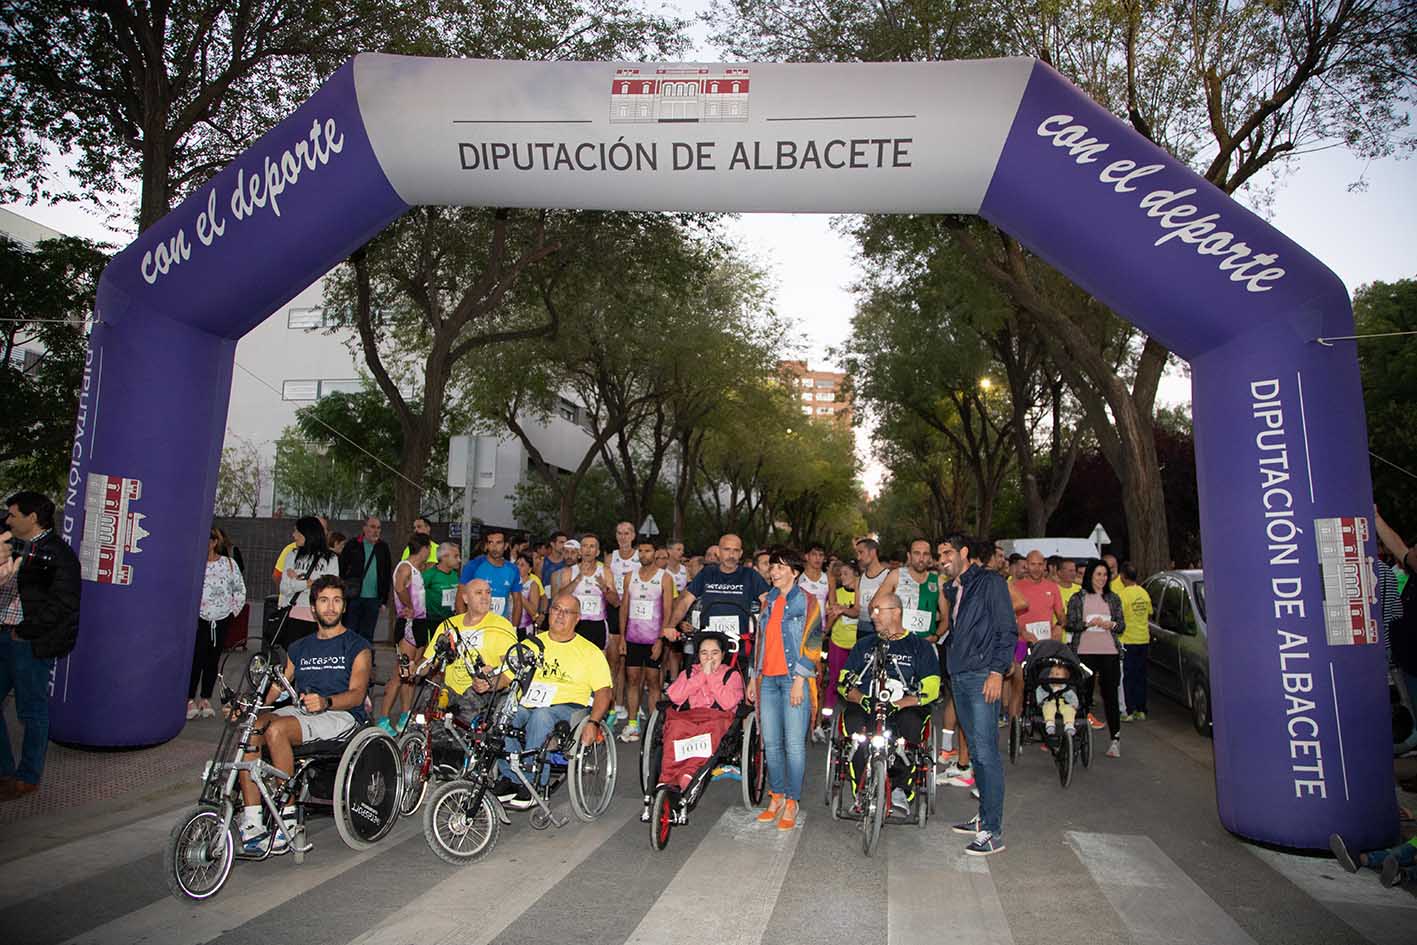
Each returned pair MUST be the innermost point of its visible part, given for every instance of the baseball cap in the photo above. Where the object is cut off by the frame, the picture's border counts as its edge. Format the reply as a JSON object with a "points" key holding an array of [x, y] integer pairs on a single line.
{"points": [[572, 545]]}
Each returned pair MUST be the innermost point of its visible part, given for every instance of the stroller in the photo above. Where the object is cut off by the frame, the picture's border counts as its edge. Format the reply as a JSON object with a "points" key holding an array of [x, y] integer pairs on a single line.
{"points": [[1075, 686]]}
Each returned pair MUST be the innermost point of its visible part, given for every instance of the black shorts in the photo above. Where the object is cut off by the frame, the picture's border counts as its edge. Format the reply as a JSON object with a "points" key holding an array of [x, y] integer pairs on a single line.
{"points": [[420, 628], [592, 630], [612, 620], [638, 654]]}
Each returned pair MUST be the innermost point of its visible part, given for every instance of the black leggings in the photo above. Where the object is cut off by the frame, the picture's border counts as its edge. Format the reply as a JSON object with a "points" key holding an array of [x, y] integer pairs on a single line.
{"points": [[205, 656], [909, 722], [1108, 667]]}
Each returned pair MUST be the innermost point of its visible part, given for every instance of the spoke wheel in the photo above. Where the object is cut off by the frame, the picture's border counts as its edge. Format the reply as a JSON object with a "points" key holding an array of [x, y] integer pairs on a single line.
{"points": [[661, 819], [1065, 758], [199, 855], [368, 784], [592, 773], [751, 763], [651, 750], [413, 754], [831, 785], [876, 809], [455, 831]]}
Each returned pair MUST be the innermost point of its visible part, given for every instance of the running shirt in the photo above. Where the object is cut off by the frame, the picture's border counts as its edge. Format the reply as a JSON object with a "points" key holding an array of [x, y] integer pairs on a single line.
{"points": [[866, 588], [919, 601], [1067, 593], [817, 588], [844, 630], [1136, 608], [505, 579], [532, 582], [727, 597], [491, 637], [646, 603], [440, 593], [325, 666], [619, 567], [549, 568], [570, 672], [432, 552], [418, 609], [1045, 601], [587, 589], [681, 579]]}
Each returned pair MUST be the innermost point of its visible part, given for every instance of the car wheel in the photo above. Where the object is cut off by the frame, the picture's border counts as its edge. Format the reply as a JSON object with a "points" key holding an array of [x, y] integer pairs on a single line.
{"points": [[1200, 707]]}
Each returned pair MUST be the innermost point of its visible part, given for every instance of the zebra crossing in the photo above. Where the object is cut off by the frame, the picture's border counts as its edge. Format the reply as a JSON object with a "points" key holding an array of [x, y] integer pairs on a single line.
{"points": [[1097, 863]]}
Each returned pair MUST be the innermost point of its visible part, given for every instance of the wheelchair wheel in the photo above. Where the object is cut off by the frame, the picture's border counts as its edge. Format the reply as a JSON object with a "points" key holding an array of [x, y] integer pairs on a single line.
{"points": [[751, 763], [413, 751], [831, 784], [922, 810], [456, 833], [1065, 758], [1085, 744], [591, 772], [876, 808], [367, 789], [1015, 738], [651, 746], [199, 854], [661, 818]]}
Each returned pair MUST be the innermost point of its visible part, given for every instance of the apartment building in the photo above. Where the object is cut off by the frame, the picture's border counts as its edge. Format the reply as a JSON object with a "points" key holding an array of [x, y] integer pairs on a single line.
{"points": [[824, 394]]}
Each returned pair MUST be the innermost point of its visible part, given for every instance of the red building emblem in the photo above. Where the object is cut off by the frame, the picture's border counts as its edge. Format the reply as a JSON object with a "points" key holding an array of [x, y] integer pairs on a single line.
{"points": [[111, 530], [1347, 580], [679, 95]]}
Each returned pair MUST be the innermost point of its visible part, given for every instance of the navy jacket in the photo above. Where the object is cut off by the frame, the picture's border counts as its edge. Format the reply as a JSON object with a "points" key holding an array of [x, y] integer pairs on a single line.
{"points": [[983, 634]]}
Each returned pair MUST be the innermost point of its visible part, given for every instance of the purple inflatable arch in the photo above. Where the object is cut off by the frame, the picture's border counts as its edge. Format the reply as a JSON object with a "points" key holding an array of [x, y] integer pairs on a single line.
{"points": [[1301, 724]]}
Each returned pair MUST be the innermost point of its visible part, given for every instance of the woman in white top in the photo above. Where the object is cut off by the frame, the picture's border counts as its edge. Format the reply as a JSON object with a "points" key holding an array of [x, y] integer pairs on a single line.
{"points": [[311, 559], [223, 596]]}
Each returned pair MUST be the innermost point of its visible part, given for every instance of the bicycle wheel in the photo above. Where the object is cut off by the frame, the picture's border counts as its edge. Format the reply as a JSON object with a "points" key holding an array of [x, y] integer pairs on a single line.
{"points": [[651, 749], [455, 833], [1065, 758], [591, 772], [751, 763], [199, 854], [1015, 738], [1085, 744], [831, 784], [661, 818], [876, 808], [413, 752]]}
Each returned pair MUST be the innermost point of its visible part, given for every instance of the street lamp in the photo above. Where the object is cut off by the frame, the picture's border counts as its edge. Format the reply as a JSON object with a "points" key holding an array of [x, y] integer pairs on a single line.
{"points": [[985, 383]]}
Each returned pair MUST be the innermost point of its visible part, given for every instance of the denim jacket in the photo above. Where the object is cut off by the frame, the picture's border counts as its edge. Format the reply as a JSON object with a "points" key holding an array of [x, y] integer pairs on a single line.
{"points": [[801, 632]]}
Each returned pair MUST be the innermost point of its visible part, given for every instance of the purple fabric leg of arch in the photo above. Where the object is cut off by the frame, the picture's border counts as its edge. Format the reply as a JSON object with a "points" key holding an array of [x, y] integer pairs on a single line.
{"points": [[155, 399], [1302, 726]]}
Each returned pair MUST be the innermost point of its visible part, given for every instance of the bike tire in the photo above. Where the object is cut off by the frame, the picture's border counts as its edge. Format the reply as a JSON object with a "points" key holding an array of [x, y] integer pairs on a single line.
{"points": [[876, 811], [751, 763], [189, 847], [653, 738], [1085, 748], [446, 822], [369, 773], [1065, 759], [592, 766], [661, 818], [1015, 738], [413, 750], [831, 784]]}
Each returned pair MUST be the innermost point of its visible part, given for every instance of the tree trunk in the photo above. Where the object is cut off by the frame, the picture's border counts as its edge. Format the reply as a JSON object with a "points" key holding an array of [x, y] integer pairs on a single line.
{"points": [[153, 201]]}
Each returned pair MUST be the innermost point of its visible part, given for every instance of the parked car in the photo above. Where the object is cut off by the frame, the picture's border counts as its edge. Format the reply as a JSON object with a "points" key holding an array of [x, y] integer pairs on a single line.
{"points": [[1180, 655]]}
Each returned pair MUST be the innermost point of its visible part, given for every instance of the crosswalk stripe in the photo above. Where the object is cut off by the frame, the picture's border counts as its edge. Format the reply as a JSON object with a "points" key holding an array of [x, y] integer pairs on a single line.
{"points": [[738, 851], [82, 859], [930, 877], [522, 869], [252, 890], [1154, 897], [1382, 916]]}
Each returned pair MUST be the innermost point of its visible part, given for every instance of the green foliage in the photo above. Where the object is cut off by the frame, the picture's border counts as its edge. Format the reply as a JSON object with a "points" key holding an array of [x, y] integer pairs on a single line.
{"points": [[241, 479], [1389, 370], [46, 294]]}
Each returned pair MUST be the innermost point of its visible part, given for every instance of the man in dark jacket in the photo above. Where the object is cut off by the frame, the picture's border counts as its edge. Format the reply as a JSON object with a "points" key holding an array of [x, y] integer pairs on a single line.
{"points": [[367, 569], [979, 650], [39, 622]]}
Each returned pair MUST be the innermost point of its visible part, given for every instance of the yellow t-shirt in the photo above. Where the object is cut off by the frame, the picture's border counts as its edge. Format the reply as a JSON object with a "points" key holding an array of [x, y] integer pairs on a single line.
{"points": [[844, 630], [1116, 586], [569, 673], [280, 559], [432, 553], [1136, 607], [1068, 593], [492, 637]]}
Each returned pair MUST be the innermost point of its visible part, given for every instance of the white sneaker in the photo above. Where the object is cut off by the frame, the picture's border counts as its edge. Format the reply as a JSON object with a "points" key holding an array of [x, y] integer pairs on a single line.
{"points": [[953, 771], [1114, 750], [818, 736], [192, 711], [899, 803]]}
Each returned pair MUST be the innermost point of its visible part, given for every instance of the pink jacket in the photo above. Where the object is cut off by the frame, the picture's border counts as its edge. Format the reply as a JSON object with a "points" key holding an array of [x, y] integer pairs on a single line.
{"points": [[701, 690]]}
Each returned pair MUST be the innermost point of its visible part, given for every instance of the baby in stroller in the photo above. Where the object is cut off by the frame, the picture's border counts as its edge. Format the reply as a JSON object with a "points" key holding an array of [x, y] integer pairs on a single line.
{"points": [[1056, 677]]}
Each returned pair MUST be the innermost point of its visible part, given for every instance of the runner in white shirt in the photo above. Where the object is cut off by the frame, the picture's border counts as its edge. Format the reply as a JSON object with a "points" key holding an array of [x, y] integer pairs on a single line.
{"points": [[621, 562], [589, 582], [676, 567], [817, 583], [875, 579]]}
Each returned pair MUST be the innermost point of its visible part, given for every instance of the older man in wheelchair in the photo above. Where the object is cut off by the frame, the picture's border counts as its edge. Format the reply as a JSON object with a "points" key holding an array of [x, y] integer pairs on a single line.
{"points": [[900, 671]]}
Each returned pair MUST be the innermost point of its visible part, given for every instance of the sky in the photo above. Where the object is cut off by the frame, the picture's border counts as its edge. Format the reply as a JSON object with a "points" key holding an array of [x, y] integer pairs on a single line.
{"points": [[1362, 235]]}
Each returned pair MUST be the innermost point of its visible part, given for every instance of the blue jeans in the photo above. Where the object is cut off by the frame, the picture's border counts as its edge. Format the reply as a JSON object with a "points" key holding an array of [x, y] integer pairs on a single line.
{"points": [[21, 671], [538, 724], [784, 733], [1134, 676], [980, 722], [1404, 853], [362, 616]]}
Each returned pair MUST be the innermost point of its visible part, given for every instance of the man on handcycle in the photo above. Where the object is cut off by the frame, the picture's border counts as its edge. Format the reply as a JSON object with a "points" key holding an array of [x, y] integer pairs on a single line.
{"points": [[573, 675], [478, 629], [913, 682], [330, 670]]}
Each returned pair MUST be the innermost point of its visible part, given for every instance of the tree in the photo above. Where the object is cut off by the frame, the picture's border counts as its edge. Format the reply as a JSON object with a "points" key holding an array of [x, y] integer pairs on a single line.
{"points": [[1389, 371], [1231, 87], [163, 93], [241, 479], [46, 295]]}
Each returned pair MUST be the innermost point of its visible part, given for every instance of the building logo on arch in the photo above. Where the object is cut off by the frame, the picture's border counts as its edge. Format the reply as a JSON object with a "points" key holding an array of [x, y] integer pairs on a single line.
{"points": [[679, 95], [111, 529]]}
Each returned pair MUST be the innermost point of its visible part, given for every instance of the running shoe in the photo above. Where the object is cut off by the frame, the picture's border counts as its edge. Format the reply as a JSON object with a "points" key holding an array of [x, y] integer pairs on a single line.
{"points": [[1341, 854], [1138, 716], [505, 789], [985, 844], [900, 804], [947, 756], [208, 712], [954, 770], [387, 726], [970, 827], [964, 779], [1129, 717], [1391, 872], [1114, 750], [521, 800], [631, 732], [192, 712], [727, 773], [1092, 720]]}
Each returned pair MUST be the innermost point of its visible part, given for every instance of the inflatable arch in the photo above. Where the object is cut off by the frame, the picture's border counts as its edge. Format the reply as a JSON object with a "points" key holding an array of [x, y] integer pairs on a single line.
{"points": [[1300, 708]]}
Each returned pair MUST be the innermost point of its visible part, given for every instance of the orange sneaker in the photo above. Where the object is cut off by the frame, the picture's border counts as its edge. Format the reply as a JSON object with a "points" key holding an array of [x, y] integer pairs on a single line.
{"points": [[788, 820], [1092, 720], [775, 804]]}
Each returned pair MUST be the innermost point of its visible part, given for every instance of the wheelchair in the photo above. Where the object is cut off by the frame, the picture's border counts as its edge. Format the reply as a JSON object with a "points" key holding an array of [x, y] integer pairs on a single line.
{"points": [[355, 778], [463, 817]]}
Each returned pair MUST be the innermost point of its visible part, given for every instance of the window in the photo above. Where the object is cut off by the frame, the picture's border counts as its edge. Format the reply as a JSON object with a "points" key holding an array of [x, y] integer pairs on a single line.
{"points": [[567, 410], [300, 390], [351, 386], [827, 383], [807, 411], [826, 395], [806, 395], [306, 318], [1173, 598], [822, 410], [1198, 589]]}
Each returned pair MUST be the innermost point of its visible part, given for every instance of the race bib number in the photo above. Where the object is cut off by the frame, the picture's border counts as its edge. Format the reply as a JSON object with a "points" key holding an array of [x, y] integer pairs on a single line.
{"points": [[592, 606], [450, 598], [1041, 629], [499, 606], [539, 695], [916, 621], [472, 639], [725, 624], [641, 610], [700, 746]]}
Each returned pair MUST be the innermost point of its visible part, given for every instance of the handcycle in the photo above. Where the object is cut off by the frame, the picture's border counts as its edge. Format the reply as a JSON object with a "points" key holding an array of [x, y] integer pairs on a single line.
{"points": [[356, 778], [463, 816], [871, 805]]}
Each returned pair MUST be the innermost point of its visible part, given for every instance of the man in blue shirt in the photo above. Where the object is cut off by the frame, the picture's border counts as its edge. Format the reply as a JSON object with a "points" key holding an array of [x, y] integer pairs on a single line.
{"points": [[500, 574], [727, 589]]}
